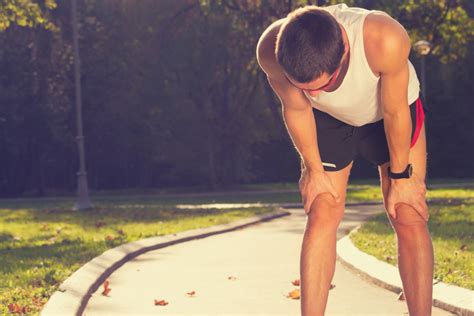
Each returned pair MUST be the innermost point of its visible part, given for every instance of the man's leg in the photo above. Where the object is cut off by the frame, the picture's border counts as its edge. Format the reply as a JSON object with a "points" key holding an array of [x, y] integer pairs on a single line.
{"points": [[415, 250], [318, 252]]}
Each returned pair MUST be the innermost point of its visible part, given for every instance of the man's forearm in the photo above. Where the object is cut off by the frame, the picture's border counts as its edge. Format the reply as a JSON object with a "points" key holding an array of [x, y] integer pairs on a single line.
{"points": [[398, 132], [301, 127]]}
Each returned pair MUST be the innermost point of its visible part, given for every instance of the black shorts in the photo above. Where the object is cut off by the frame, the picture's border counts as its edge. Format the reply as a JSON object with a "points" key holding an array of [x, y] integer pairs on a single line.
{"points": [[339, 143]]}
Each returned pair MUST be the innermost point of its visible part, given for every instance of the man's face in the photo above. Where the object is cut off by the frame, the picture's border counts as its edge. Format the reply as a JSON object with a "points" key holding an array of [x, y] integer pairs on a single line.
{"points": [[313, 88]]}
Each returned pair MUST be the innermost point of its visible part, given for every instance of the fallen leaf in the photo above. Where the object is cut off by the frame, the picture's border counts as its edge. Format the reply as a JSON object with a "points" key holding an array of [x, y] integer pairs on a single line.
{"points": [[401, 296], [14, 308], [162, 302], [296, 282], [17, 309], [106, 290], [332, 286], [191, 293], [231, 278], [295, 294], [38, 302]]}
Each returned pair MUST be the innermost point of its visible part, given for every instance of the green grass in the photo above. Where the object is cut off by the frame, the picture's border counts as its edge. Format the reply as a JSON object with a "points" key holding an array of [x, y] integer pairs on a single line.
{"points": [[373, 193], [41, 244], [451, 226]]}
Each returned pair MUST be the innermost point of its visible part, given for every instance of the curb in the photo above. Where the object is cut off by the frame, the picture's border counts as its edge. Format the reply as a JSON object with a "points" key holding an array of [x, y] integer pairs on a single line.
{"points": [[451, 298], [73, 294]]}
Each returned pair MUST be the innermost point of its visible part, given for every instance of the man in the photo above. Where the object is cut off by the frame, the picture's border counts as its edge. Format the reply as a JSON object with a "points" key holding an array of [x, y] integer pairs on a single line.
{"points": [[347, 88]]}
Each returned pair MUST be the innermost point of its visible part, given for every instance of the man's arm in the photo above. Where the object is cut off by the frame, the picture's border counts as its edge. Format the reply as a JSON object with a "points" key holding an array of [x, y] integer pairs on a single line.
{"points": [[393, 66], [300, 123], [394, 48]]}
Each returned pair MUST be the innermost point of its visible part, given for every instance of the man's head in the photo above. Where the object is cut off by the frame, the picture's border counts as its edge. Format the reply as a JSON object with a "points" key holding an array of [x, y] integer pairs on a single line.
{"points": [[309, 45]]}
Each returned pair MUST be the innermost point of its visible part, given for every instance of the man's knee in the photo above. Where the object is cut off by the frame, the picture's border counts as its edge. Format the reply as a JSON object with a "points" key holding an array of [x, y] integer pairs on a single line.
{"points": [[406, 215], [325, 211]]}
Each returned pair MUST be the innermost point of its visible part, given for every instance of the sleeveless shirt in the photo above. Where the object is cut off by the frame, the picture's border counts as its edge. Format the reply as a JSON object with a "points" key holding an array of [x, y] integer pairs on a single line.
{"points": [[357, 101]]}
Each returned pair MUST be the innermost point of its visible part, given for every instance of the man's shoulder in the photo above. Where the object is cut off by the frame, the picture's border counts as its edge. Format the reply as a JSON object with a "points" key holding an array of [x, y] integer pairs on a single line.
{"points": [[384, 37], [266, 49], [377, 23]]}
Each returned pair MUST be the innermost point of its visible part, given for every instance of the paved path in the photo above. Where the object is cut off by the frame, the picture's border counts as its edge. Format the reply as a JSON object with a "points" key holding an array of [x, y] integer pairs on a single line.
{"points": [[264, 259]]}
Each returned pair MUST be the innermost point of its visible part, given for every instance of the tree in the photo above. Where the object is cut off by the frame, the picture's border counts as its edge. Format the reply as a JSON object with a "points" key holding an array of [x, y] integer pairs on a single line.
{"points": [[26, 13]]}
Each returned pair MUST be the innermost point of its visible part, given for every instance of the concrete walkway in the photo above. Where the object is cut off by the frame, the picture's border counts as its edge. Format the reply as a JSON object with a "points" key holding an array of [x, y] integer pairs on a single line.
{"points": [[262, 258]]}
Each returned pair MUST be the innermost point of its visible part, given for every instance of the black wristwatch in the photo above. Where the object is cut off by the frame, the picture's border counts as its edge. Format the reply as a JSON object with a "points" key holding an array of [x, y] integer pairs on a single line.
{"points": [[402, 175]]}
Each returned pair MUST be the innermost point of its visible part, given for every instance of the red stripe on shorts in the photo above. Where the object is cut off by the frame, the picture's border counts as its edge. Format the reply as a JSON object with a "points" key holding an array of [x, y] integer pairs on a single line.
{"points": [[420, 116]]}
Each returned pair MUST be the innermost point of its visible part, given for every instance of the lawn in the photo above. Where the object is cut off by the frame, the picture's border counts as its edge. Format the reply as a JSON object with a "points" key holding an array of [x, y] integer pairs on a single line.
{"points": [[451, 226], [42, 242]]}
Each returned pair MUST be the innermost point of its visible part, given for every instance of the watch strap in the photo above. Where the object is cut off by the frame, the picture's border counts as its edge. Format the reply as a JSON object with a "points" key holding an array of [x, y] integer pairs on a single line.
{"points": [[401, 175]]}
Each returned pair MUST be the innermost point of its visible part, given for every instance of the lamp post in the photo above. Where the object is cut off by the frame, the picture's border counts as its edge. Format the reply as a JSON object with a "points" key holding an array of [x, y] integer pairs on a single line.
{"points": [[423, 48], [83, 201]]}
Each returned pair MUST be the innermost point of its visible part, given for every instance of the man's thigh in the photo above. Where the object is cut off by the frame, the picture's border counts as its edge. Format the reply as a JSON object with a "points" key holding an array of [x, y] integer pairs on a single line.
{"points": [[324, 208]]}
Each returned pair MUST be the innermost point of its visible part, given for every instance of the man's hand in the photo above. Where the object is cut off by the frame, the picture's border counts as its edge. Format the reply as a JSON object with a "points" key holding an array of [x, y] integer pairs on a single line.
{"points": [[410, 191], [313, 183]]}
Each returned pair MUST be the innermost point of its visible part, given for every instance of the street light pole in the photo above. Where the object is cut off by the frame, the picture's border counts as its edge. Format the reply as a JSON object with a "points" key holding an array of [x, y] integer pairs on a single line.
{"points": [[83, 201], [423, 77], [423, 48]]}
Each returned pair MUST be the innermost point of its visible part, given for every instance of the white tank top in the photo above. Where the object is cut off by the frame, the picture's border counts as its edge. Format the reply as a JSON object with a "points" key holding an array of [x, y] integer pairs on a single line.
{"points": [[357, 101]]}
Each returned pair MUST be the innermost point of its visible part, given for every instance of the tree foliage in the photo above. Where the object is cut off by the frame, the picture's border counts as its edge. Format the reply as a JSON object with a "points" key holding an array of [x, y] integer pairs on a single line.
{"points": [[26, 13]]}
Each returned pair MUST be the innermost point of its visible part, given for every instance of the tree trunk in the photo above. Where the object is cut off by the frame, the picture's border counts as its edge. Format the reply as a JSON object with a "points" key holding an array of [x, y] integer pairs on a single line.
{"points": [[211, 160]]}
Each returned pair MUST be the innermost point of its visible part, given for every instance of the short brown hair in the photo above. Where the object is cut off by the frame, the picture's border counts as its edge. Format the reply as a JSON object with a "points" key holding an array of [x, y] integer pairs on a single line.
{"points": [[309, 43]]}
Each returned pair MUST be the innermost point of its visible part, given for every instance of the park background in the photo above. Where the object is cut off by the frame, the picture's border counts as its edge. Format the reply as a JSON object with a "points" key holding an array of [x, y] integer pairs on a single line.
{"points": [[172, 95], [174, 104]]}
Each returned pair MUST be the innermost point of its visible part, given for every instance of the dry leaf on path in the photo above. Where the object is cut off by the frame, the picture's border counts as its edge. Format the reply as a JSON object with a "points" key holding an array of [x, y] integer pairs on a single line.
{"points": [[161, 303], [106, 290], [191, 293], [295, 294], [296, 282]]}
